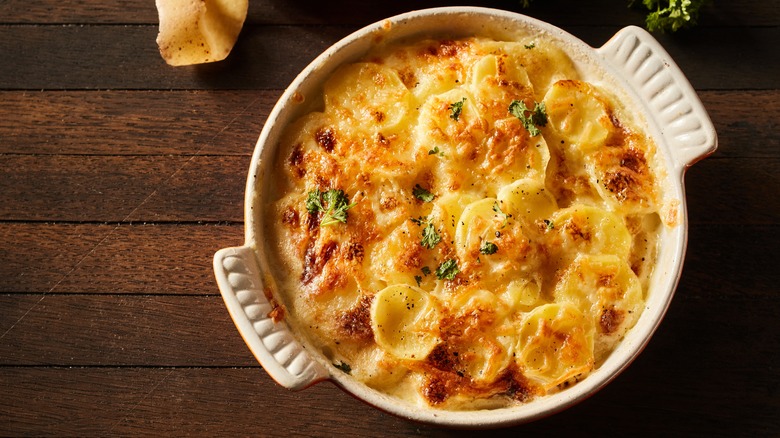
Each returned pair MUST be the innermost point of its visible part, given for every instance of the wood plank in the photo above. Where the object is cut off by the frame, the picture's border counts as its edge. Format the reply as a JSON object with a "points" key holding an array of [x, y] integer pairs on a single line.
{"points": [[133, 122], [196, 331], [115, 188], [739, 191], [119, 259], [161, 401], [357, 12], [699, 352], [720, 264], [229, 122], [751, 135], [114, 329], [211, 188], [119, 330], [98, 57], [176, 259]]}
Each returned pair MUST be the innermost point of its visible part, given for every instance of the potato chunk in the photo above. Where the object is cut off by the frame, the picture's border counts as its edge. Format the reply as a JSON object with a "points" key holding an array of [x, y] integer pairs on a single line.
{"points": [[199, 31]]}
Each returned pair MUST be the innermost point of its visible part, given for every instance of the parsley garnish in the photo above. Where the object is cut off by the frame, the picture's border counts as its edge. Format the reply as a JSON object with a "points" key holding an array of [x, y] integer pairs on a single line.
{"points": [[549, 223], [447, 270], [456, 109], [343, 366], [429, 236], [418, 279], [535, 118], [436, 151], [332, 203], [498, 210], [488, 248], [671, 15], [529, 46], [313, 202], [426, 270], [423, 195], [664, 15]]}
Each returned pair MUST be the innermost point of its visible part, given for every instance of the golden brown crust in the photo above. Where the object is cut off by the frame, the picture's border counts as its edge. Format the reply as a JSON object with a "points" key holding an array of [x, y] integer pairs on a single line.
{"points": [[509, 263]]}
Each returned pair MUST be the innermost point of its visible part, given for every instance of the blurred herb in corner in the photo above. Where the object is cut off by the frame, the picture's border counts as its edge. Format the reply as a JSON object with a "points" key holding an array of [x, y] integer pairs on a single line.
{"points": [[664, 15], [670, 15]]}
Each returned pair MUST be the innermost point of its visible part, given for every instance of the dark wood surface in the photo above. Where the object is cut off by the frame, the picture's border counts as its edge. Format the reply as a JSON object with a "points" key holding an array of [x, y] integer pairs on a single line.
{"points": [[121, 176]]}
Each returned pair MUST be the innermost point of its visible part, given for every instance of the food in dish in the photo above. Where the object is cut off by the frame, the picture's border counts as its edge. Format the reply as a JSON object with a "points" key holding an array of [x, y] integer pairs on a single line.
{"points": [[464, 223]]}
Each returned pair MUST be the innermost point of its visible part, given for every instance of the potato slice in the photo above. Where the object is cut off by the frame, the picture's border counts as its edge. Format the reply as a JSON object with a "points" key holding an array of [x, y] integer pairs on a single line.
{"points": [[199, 31], [404, 321]]}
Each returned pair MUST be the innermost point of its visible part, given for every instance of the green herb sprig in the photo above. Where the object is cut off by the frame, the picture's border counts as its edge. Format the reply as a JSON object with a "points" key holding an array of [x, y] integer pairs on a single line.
{"points": [[332, 203], [447, 270], [664, 15], [456, 108], [422, 194], [531, 119], [430, 237], [488, 248]]}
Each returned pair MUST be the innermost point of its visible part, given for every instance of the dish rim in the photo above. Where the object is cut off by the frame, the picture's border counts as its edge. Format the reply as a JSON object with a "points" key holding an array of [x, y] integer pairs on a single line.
{"points": [[351, 48]]}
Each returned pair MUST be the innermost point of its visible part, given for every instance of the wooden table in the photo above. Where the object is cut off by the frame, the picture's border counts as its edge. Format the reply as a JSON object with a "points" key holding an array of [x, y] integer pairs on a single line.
{"points": [[121, 176]]}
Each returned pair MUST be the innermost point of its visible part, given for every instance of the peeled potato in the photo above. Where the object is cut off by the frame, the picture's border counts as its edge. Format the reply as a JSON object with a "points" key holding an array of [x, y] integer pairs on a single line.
{"points": [[199, 31]]}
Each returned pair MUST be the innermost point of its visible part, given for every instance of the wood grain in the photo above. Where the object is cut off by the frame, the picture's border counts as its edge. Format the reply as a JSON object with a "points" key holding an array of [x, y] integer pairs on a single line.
{"points": [[237, 400], [120, 330], [121, 189], [211, 188], [357, 12], [212, 122], [196, 331], [202, 122], [173, 259], [57, 57], [111, 258], [121, 176]]}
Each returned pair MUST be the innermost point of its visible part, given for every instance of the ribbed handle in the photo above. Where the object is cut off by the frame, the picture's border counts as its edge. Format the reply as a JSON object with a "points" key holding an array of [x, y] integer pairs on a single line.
{"points": [[272, 343], [666, 92]]}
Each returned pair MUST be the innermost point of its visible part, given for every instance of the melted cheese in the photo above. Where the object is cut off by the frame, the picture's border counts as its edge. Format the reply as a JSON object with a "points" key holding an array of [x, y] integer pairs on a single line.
{"points": [[479, 265]]}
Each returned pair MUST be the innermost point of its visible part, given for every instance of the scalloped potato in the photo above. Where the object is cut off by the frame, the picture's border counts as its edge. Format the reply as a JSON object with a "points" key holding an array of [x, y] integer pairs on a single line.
{"points": [[445, 222], [199, 31]]}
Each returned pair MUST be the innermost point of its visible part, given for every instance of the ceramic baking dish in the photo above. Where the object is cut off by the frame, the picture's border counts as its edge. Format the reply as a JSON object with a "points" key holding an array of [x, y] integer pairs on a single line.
{"points": [[632, 62]]}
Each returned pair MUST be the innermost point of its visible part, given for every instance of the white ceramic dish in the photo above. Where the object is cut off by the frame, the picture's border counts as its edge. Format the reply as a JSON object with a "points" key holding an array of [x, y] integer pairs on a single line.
{"points": [[631, 62]]}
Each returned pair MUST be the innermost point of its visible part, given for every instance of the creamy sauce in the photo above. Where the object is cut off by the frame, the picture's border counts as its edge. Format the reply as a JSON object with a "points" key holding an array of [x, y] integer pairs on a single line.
{"points": [[465, 224]]}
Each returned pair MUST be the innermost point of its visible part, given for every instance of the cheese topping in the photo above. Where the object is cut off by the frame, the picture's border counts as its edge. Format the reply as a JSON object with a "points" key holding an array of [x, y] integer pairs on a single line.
{"points": [[466, 224]]}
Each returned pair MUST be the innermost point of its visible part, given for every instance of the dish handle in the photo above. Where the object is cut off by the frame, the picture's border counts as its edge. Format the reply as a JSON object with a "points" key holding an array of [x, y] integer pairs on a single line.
{"points": [[272, 342], [666, 92]]}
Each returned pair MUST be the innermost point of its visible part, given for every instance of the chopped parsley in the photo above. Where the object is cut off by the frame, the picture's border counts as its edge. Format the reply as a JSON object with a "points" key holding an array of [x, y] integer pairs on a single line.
{"points": [[488, 248], [422, 194], [436, 151], [529, 46], [447, 270], [429, 236], [418, 279], [426, 271], [534, 119], [332, 203], [549, 223], [343, 366], [456, 109], [497, 209]]}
